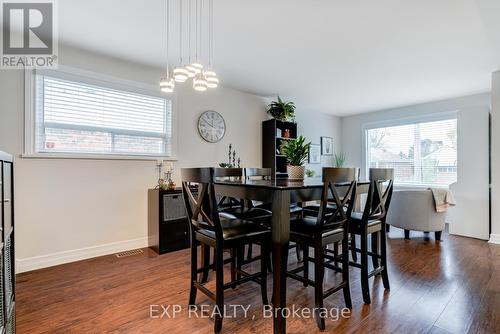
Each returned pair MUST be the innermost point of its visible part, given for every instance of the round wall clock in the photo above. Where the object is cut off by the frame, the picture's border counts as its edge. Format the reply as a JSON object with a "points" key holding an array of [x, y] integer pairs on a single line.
{"points": [[211, 126]]}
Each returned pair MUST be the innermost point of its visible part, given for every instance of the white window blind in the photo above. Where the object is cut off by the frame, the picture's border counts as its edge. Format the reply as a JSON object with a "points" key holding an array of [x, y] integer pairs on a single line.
{"points": [[421, 153], [81, 118]]}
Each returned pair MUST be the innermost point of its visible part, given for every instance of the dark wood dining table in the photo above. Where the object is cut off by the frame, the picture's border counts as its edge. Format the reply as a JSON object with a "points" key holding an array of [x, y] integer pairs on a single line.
{"points": [[281, 193]]}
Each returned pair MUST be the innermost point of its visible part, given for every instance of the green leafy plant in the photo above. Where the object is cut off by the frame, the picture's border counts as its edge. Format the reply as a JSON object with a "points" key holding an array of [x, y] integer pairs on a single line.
{"points": [[295, 150], [340, 159], [310, 173], [281, 110]]}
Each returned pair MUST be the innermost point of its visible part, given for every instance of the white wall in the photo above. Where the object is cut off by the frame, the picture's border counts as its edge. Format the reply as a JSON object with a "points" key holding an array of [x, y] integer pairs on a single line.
{"points": [[495, 160], [68, 209], [470, 217], [315, 125]]}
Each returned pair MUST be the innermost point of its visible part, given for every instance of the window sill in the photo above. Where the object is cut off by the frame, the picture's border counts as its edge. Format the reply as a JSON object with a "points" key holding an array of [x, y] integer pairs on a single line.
{"points": [[95, 157]]}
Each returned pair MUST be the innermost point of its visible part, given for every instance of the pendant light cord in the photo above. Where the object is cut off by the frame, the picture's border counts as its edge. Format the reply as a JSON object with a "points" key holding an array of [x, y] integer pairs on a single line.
{"points": [[180, 34], [168, 32]]}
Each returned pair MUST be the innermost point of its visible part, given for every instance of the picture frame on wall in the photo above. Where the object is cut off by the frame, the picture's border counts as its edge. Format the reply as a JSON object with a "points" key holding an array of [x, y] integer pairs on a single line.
{"points": [[326, 146], [315, 154]]}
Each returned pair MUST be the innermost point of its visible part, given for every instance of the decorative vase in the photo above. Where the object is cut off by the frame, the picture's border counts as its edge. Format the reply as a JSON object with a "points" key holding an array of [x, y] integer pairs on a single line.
{"points": [[286, 133], [296, 172]]}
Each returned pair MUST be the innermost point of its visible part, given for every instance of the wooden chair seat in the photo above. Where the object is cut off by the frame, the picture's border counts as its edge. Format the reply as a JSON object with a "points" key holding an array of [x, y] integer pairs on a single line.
{"points": [[254, 214], [356, 225], [236, 229]]}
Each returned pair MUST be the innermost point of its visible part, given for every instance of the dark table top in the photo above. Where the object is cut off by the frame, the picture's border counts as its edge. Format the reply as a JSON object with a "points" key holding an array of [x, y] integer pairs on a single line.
{"points": [[280, 184]]}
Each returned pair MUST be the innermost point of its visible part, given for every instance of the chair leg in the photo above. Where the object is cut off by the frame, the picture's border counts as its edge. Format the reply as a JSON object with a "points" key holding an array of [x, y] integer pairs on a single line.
{"points": [[194, 269], [298, 251], [306, 263], [263, 271], [388, 228], [250, 251], [219, 287], [353, 251], [438, 235], [205, 262], [383, 260], [407, 234], [364, 268], [345, 273], [374, 237], [233, 253], [319, 271], [336, 253], [240, 257]]}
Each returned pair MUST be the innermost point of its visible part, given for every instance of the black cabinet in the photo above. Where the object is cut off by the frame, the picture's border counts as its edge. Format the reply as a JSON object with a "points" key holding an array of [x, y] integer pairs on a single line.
{"points": [[168, 228], [7, 273], [274, 132]]}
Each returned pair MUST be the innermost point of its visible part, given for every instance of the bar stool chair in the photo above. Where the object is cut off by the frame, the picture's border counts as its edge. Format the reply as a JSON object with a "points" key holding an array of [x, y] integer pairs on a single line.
{"points": [[220, 234], [371, 222], [324, 229]]}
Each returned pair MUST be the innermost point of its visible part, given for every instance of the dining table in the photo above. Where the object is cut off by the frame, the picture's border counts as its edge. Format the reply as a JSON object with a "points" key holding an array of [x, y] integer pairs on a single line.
{"points": [[280, 193]]}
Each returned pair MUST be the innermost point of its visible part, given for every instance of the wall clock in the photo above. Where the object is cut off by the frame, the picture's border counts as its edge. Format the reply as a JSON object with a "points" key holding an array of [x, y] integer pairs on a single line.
{"points": [[211, 126]]}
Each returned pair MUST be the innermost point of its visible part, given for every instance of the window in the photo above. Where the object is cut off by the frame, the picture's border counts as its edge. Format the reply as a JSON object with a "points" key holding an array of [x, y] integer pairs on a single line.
{"points": [[78, 116], [422, 153]]}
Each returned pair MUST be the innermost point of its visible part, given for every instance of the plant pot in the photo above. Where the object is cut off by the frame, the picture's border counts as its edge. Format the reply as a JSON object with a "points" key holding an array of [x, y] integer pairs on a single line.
{"points": [[296, 172]]}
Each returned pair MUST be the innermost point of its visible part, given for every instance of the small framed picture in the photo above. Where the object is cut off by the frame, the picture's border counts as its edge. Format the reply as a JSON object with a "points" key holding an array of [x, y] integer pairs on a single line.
{"points": [[315, 154], [326, 146]]}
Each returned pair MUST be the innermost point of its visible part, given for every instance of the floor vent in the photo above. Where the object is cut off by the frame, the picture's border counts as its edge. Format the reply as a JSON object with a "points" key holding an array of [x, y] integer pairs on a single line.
{"points": [[129, 253]]}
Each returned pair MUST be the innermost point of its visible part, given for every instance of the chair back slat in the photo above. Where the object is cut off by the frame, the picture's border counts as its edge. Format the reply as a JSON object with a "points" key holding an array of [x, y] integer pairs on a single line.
{"points": [[235, 174], [200, 200], [335, 179], [256, 173], [379, 194]]}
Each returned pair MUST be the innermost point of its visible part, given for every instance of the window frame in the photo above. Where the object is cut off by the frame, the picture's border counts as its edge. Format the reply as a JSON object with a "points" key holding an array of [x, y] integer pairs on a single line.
{"points": [[87, 77], [432, 117]]}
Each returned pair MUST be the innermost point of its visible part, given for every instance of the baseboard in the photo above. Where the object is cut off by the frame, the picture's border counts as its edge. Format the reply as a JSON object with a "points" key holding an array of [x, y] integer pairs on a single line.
{"points": [[495, 239], [53, 259]]}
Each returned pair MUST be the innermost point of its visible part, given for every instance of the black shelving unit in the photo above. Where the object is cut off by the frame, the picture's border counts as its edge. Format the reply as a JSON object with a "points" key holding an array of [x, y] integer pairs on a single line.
{"points": [[272, 137], [7, 268], [168, 224]]}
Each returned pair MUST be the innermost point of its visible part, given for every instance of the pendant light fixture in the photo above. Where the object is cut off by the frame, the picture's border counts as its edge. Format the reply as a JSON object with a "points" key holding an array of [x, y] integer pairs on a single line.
{"points": [[197, 66], [199, 82], [167, 83], [210, 75], [203, 78], [180, 72], [191, 70]]}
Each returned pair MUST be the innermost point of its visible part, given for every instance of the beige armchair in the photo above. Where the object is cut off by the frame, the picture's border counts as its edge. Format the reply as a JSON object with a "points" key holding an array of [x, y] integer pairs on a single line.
{"points": [[414, 210]]}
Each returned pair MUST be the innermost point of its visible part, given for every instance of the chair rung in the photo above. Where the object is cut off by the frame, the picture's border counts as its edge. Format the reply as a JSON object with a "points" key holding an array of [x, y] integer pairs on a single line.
{"points": [[376, 271], [333, 290], [207, 292], [354, 264], [334, 268], [296, 270], [301, 279]]}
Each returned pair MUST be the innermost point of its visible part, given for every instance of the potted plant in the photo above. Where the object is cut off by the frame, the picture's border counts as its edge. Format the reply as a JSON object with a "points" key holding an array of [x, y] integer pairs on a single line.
{"points": [[296, 152], [281, 110], [340, 159]]}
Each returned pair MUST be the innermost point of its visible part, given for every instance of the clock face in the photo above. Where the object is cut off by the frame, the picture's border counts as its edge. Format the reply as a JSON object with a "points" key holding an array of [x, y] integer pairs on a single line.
{"points": [[211, 126]]}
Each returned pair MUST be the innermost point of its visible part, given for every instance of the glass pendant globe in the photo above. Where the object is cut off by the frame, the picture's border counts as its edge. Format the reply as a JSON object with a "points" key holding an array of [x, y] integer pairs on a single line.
{"points": [[167, 84], [191, 71], [180, 74], [211, 77], [199, 83], [197, 67]]}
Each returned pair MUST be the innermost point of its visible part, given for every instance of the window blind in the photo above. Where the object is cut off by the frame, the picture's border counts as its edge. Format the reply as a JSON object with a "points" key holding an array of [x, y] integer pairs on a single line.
{"points": [[421, 153], [77, 117]]}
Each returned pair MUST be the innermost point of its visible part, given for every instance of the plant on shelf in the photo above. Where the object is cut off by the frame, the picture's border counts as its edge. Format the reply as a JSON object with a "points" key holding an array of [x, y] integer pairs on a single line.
{"points": [[310, 173], [296, 152], [281, 110], [339, 159]]}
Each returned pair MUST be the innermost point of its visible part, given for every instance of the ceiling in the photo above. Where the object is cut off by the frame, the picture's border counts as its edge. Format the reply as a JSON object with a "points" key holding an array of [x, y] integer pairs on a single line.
{"points": [[333, 56]]}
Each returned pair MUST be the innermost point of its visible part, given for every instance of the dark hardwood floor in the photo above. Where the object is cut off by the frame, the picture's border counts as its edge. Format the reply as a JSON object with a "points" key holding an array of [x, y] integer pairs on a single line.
{"points": [[447, 287]]}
